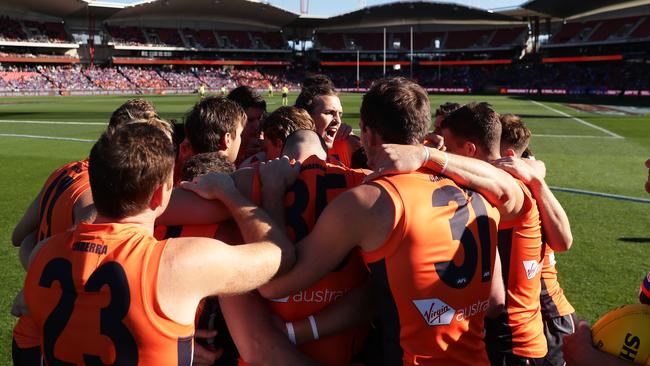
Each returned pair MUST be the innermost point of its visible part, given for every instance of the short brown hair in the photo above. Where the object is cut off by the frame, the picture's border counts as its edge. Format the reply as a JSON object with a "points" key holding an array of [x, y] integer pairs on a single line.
{"points": [[477, 122], [126, 166], [210, 120], [285, 120], [307, 96], [398, 110], [514, 133], [163, 125], [204, 163], [317, 80], [445, 109], [130, 110], [247, 97]]}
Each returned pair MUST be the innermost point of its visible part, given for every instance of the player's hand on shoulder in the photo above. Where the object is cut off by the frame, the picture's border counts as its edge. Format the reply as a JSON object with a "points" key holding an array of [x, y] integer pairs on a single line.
{"points": [[518, 168], [394, 159], [435, 141], [538, 166], [212, 186], [278, 174]]}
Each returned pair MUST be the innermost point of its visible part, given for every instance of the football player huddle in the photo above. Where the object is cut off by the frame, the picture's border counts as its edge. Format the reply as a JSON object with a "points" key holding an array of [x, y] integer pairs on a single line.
{"points": [[243, 237]]}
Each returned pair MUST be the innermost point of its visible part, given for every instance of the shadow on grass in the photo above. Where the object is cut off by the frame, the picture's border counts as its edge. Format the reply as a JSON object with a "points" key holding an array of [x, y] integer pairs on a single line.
{"points": [[634, 240]]}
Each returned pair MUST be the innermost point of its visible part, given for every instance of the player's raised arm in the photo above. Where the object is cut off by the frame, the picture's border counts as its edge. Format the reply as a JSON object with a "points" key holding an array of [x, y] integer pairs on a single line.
{"points": [[555, 222], [234, 269], [254, 223], [187, 208], [499, 188]]}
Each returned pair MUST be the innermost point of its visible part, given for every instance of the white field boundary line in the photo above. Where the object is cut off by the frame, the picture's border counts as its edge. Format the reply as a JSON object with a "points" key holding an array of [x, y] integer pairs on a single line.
{"points": [[356, 130], [583, 122], [45, 137], [16, 121], [601, 195]]}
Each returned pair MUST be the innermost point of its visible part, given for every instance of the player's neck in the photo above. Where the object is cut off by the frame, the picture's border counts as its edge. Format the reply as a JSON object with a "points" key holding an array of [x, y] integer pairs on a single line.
{"points": [[492, 157], [145, 220]]}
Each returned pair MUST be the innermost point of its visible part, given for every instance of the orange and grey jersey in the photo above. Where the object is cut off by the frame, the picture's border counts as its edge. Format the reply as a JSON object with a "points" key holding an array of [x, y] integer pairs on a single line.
{"points": [[522, 255], [432, 276], [552, 299], [60, 193], [56, 204], [93, 295], [340, 153], [319, 183]]}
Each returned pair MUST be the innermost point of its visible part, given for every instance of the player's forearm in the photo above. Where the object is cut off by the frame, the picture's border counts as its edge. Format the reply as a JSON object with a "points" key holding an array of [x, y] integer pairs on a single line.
{"points": [[498, 187], [257, 340], [555, 221], [353, 308], [273, 204], [257, 226], [187, 208]]}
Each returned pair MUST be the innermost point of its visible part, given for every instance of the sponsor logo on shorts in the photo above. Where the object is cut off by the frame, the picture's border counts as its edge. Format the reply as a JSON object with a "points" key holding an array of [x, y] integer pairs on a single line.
{"points": [[435, 311], [532, 268]]}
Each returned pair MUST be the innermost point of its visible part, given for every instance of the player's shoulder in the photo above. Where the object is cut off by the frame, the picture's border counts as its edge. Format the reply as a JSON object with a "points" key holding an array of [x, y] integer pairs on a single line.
{"points": [[365, 198]]}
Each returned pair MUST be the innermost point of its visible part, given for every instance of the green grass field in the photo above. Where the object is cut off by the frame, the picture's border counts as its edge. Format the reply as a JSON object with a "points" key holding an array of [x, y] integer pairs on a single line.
{"points": [[596, 153]]}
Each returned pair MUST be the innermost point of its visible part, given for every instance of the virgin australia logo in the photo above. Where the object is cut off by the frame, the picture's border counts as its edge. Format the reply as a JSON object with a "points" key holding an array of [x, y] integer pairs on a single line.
{"points": [[435, 311]]}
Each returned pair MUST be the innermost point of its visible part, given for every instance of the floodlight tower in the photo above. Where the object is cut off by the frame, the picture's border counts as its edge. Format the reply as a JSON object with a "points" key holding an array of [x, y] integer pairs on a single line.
{"points": [[304, 6]]}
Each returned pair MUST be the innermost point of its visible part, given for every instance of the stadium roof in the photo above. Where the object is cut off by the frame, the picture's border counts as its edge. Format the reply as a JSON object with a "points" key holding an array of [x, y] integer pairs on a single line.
{"points": [[412, 13], [575, 9], [58, 8], [250, 12]]}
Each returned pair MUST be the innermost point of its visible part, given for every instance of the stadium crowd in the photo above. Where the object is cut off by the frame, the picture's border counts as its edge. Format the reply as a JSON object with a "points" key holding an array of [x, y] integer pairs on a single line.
{"points": [[576, 78], [146, 265], [137, 78], [144, 78]]}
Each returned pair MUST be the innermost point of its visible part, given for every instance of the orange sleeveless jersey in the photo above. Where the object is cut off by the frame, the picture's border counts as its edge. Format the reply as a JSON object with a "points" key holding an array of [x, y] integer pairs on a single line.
{"points": [[522, 254], [340, 153], [93, 295], [318, 184], [432, 276], [552, 299], [60, 193], [55, 209]]}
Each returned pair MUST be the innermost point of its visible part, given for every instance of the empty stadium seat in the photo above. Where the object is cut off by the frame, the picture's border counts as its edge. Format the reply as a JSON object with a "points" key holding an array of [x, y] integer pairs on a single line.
{"points": [[505, 37]]}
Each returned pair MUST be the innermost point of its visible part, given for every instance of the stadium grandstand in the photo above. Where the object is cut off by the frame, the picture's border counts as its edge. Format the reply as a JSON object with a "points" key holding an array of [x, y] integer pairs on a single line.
{"points": [[173, 46]]}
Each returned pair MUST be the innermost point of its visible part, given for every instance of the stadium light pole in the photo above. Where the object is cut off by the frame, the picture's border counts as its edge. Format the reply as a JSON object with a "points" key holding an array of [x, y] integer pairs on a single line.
{"points": [[437, 46], [358, 79], [411, 67], [384, 51]]}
